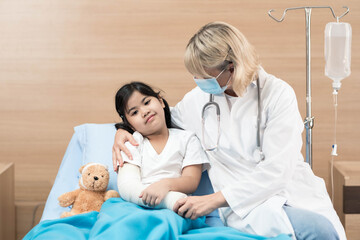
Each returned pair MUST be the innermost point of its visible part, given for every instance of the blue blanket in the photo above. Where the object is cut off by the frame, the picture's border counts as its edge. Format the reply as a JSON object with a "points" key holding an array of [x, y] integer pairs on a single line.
{"points": [[119, 219]]}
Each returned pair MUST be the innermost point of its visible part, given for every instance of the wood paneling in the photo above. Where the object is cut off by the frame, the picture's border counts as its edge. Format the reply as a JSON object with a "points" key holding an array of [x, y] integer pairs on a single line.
{"points": [[61, 63]]}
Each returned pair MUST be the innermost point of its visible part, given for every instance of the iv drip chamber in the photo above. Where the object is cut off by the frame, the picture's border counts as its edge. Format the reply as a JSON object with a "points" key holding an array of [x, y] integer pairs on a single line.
{"points": [[337, 52]]}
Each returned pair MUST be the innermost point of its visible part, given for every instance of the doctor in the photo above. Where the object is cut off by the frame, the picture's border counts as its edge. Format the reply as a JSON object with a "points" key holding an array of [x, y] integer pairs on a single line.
{"points": [[262, 184]]}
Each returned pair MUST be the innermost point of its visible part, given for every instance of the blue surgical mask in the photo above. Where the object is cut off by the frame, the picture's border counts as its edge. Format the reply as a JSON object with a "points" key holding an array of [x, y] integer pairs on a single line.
{"points": [[210, 85]]}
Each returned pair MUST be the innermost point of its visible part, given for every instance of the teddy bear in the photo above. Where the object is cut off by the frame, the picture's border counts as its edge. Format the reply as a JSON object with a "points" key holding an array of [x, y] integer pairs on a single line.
{"points": [[92, 192]]}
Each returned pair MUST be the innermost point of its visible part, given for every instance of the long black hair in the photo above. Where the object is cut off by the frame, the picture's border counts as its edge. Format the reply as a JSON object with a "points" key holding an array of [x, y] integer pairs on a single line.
{"points": [[122, 97]]}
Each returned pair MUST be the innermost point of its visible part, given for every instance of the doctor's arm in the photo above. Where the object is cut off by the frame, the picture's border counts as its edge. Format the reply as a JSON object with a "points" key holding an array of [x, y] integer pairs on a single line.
{"points": [[197, 206]]}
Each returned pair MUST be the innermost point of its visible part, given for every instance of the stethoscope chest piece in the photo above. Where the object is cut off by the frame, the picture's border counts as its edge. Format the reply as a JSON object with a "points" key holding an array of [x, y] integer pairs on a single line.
{"points": [[258, 155]]}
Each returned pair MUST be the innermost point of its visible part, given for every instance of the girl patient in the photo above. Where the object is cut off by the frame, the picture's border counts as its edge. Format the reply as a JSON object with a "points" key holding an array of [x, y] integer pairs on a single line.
{"points": [[167, 163]]}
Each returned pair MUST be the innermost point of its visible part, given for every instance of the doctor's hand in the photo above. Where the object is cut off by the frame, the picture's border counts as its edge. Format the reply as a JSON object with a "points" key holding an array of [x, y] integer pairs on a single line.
{"points": [[121, 137], [155, 193], [198, 206]]}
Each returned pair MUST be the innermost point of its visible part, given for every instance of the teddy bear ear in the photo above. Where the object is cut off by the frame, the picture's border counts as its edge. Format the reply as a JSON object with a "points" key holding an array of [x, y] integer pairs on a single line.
{"points": [[81, 168]]}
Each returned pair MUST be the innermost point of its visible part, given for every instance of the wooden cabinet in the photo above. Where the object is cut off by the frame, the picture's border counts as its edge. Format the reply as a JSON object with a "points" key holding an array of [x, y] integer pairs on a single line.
{"points": [[347, 196], [7, 204]]}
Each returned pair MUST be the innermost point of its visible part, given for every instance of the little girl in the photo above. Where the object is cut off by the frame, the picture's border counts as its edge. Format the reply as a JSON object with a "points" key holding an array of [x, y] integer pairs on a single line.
{"points": [[167, 163]]}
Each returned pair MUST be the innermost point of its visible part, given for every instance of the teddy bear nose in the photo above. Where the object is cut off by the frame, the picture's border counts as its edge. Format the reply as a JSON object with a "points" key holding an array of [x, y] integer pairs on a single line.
{"points": [[96, 178]]}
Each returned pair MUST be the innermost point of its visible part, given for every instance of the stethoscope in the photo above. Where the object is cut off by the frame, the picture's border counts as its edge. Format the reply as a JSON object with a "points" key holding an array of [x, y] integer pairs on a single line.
{"points": [[212, 103]]}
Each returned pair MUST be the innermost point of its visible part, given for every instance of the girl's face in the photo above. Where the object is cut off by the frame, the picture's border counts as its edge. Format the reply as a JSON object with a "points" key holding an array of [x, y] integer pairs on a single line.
{"points": [[145, 114]]}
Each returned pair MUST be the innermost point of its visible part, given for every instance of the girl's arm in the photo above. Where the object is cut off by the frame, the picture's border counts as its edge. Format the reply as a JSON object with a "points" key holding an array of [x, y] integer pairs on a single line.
{"points": [[121, 137], [187, 183], [130, 188], [129, 183], [189, 180]]}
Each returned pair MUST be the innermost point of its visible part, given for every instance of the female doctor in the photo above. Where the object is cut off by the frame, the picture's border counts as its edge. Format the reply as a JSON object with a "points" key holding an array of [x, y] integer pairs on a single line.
{"points": [[250, 127]]}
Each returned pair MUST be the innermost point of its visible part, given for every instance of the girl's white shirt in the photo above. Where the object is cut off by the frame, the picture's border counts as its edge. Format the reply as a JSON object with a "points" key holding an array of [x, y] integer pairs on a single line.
{"points": [[256, 190], [182, 149]]}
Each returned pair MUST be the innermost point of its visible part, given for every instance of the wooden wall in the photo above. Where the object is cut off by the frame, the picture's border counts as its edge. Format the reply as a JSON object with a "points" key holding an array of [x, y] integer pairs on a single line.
{"points": [[61, 63]]}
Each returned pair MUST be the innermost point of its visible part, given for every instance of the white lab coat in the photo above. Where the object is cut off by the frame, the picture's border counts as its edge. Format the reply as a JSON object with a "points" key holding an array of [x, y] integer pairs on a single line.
{"points": [[256, 190]]}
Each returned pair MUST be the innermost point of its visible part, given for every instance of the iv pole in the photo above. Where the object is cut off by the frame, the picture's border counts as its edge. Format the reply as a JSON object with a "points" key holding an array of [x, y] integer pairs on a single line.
{"points": [[309, 120]]}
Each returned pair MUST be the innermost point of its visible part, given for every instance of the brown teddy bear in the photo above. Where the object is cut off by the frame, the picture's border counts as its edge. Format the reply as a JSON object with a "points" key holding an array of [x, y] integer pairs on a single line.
{"points": [[92, 192]]}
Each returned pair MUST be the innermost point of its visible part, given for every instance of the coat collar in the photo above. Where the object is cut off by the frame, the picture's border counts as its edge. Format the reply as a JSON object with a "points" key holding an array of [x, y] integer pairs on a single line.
{"points": [[262, 76]]}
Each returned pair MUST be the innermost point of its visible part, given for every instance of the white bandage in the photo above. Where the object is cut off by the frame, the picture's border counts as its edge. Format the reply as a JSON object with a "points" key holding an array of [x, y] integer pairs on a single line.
{"points": [[92, 164], [130, 187]]}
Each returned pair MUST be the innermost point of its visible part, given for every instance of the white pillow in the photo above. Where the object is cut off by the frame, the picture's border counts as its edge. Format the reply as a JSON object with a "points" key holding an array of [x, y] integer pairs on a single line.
{"points": [[96, 141]]}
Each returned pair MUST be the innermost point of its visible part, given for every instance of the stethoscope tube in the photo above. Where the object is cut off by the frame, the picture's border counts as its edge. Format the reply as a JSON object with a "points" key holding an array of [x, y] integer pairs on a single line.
{"points": [[212, 103], [258, 142], [208, 104]]}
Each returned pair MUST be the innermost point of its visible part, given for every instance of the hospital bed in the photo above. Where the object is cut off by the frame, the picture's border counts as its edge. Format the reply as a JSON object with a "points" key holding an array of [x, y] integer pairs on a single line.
{"points": [[93, 143]]}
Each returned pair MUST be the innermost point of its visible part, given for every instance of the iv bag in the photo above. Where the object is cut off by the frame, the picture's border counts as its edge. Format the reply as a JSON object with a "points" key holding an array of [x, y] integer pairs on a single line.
{"points": [[337, 51]]}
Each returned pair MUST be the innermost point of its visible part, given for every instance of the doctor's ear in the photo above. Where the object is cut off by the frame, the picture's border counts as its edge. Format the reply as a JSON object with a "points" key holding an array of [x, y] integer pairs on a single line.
{"points": [[231, 67]]}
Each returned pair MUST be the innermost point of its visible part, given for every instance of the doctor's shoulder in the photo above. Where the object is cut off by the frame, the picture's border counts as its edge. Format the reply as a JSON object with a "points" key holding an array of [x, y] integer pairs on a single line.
{"points": [[278, 97], [195, 97], [277, 89], [190, 104]]}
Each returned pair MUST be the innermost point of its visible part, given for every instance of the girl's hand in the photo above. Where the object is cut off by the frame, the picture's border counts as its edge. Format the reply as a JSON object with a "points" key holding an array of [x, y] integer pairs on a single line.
{"points": [[155, 193], [121, 137], [198, 206]]}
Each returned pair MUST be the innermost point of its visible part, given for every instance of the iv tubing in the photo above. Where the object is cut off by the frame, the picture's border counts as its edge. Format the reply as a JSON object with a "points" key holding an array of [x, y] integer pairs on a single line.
{"points": [[334, 146]]}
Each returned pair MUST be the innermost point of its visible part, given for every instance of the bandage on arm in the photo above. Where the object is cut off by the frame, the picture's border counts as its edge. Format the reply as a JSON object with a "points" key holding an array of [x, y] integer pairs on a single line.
{"points": [[130, 187]]}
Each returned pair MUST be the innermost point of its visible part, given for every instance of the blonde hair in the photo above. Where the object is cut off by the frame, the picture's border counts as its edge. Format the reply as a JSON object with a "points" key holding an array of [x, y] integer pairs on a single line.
{"points": [[215, 45]]}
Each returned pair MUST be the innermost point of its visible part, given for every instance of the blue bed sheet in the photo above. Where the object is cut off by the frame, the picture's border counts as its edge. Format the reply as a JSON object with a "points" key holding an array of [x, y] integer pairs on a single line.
{"points": [[120, 220]]}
